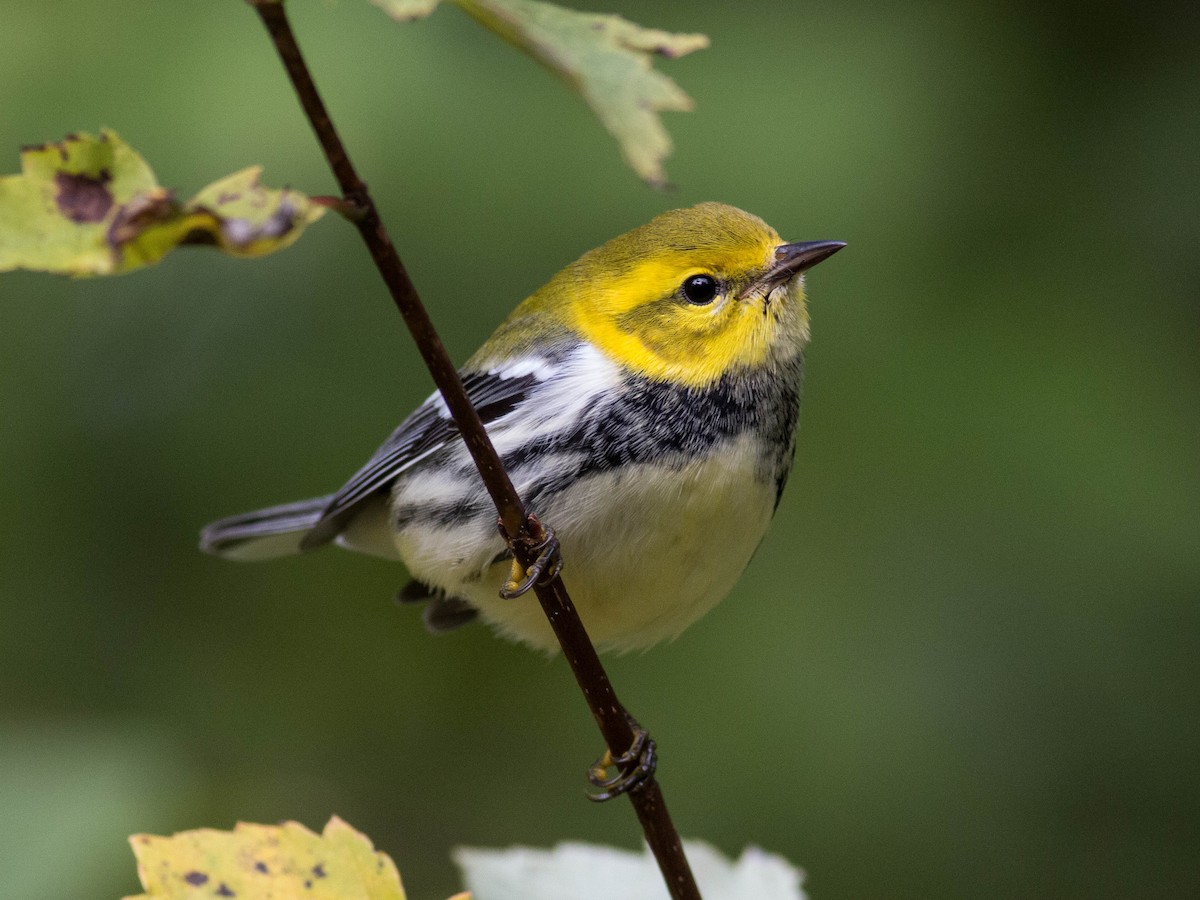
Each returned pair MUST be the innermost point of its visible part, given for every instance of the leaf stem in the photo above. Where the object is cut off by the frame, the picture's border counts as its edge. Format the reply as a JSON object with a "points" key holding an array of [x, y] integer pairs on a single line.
{"points": [[522, 530]]}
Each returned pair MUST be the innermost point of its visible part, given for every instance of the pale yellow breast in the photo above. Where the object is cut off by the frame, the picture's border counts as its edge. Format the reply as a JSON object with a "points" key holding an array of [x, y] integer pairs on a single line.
{"points": [[648, 550]]}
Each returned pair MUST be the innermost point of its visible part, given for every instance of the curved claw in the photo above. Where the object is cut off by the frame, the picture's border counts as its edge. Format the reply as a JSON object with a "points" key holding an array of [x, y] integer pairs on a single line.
{"points": [[544, 568], [634, 768]]}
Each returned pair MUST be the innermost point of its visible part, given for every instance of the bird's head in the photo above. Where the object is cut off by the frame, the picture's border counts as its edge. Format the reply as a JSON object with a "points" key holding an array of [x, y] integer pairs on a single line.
{"points": [[691, 295]]}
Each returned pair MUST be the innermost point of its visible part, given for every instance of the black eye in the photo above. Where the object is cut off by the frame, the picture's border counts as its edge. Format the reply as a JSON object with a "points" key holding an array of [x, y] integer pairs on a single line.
{"points": [[700, 289]]}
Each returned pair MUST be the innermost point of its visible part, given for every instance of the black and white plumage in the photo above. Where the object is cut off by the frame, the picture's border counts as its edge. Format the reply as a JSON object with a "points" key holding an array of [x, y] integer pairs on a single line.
{"points": [[714, 459], [645, 412]]}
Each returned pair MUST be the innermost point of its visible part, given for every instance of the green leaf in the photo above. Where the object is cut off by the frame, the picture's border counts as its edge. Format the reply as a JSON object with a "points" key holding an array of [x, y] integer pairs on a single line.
{"points": [[258, 862], [91, 205], [606, 58]]}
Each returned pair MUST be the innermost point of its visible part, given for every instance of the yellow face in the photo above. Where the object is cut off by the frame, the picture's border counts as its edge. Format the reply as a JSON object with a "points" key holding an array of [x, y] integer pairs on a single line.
{"points": [[691, 295], [692, 318], [685, 297]]}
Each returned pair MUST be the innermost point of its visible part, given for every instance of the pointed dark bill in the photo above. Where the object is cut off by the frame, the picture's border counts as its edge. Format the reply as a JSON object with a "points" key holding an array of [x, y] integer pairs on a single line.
{"points": [[791, 259]]}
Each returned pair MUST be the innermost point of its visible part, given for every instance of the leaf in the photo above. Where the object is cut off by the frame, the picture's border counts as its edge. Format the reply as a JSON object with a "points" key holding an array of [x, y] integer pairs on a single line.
{"points": [[257, 862], [407, 10], [590, 872], [246, 219], [91, 205], [606, 58]]}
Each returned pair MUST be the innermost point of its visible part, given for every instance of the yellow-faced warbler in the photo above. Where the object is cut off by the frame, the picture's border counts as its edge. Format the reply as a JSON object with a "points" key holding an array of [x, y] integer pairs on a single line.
{"points": [[644, 402]]}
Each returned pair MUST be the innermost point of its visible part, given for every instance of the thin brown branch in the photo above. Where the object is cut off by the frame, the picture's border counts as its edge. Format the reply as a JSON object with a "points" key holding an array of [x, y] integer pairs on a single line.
{"points": [[523, 531]]}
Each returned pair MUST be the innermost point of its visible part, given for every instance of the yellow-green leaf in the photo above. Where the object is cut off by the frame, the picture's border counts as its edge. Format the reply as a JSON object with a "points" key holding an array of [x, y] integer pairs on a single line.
{"points": [[244, 218], [606, 58], [91, 205], [265, 862]]}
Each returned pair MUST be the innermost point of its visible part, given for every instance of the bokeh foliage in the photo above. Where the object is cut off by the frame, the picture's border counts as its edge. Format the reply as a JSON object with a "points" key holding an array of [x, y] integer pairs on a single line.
{"points": [[964, 662]]}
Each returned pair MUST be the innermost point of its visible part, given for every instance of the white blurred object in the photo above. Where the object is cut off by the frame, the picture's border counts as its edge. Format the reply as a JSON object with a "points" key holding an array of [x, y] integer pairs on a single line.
{"points": [[589, 872]]}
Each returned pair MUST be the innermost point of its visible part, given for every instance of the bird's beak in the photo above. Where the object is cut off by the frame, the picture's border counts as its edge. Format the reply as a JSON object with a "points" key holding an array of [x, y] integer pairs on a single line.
{"points": [[791, 259]]}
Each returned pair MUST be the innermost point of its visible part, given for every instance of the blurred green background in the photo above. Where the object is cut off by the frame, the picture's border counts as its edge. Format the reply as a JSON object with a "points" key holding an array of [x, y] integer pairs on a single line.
{"points": [[964, 662]]}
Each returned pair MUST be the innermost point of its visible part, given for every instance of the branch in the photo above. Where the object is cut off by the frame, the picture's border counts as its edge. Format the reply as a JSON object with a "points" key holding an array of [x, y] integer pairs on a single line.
{"points": [[522, 530]]}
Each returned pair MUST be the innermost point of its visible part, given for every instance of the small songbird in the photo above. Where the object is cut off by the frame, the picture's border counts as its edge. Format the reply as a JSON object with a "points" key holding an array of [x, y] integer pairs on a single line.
{"points": [[644, 403]]}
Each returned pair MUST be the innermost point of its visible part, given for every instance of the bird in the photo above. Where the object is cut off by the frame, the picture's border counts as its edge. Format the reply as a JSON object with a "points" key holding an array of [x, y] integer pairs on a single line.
{"points": [[644, 402]]}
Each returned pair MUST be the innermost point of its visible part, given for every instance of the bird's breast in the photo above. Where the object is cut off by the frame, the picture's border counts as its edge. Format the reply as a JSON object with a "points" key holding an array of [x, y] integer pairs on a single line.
{"points": [[650, 547], [659, 494]]}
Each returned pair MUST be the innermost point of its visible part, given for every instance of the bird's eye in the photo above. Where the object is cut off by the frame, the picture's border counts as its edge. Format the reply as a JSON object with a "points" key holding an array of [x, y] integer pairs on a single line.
{"points": [[700, 289]]}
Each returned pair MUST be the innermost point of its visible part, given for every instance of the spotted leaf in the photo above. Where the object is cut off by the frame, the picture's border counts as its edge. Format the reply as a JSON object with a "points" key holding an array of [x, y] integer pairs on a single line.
{"points": [[257, 862], [90, 205]]}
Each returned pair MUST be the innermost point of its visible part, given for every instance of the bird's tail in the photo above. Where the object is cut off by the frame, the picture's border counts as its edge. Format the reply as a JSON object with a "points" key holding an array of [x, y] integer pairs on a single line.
{"points": [[264, 533]]}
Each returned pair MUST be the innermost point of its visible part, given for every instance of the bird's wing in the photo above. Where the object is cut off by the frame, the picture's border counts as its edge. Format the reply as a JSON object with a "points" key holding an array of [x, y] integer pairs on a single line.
{"points": [[428, 429]]}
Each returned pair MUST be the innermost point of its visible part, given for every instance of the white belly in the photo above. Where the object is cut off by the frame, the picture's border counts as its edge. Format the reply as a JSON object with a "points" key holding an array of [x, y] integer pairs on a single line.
{"points": [[647, 551]]}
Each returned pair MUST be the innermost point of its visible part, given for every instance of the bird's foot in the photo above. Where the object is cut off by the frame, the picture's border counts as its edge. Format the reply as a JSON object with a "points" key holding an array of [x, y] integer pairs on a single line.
{"points": [[634, 767], [544, 568]]}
